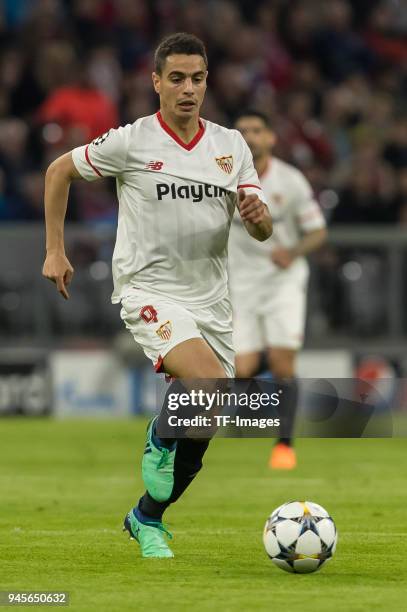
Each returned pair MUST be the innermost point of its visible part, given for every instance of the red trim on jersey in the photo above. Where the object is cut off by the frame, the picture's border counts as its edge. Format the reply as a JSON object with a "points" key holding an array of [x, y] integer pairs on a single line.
{"points": [[159, 364], [248, 185], [188, 146], [90, 163]]}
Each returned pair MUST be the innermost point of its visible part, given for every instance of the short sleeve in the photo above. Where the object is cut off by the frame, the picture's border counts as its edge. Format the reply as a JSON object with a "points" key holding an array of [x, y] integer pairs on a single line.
{"points": [[248, 179], [307, 209], [104, 156]]}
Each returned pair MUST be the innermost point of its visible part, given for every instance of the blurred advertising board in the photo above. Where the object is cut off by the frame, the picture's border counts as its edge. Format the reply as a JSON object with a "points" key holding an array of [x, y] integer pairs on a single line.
{"points": [[25, 383], [90, 383]]}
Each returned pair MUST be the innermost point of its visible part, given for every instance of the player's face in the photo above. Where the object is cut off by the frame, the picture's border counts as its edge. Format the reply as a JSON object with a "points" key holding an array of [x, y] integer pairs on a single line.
{"points": [[258, 136], [182, 85]]}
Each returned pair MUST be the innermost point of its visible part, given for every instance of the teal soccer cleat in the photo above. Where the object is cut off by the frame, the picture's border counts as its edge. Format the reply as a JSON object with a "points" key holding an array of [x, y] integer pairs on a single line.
{"points": [[158, 466], [150, 536]]}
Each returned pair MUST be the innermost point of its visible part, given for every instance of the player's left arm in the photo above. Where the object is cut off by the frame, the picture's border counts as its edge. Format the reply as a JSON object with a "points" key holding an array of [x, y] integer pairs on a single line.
{"points": [[311, 223], [250, 199], [311, 241]]}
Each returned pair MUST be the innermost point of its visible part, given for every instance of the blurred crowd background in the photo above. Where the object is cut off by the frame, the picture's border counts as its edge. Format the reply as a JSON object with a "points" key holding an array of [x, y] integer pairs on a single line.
{"points": [[332, 76]]}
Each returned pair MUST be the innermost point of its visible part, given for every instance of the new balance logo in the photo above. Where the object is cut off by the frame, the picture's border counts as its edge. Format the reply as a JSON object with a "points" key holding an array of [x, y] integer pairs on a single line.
{"points": [[154, 165]]}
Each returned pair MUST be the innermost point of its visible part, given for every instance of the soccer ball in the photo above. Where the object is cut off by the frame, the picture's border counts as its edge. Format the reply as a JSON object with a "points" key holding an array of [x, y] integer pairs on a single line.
{"points": [[300, 536]]}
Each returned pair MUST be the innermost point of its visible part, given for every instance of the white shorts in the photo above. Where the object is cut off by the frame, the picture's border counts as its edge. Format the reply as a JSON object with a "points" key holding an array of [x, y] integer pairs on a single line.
{"points": [[158, 324], [277, 319]]}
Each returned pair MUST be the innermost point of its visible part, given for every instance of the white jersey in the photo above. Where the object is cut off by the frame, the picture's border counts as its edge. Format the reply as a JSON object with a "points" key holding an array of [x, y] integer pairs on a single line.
{"points": [[294, 212], [176, 203]]}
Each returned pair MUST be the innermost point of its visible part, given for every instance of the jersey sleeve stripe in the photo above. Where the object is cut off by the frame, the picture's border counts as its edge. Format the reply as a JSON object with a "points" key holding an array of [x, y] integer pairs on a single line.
{"points": [[90, 163], [248, 185]]}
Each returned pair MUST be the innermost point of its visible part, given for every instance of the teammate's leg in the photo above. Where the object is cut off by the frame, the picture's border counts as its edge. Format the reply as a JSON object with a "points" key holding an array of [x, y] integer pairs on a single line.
{"points": [[248, 340], [282, 365], [247, 364], [284, 323]]}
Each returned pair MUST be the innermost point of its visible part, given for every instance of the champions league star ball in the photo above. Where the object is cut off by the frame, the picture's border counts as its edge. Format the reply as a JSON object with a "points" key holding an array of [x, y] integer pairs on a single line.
{"points": [[300, 537]]}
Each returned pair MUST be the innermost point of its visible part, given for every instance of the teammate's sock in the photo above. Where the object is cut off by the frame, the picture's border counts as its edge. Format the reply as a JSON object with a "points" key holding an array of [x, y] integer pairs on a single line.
{"points": [[286, 441], [289, 410]]}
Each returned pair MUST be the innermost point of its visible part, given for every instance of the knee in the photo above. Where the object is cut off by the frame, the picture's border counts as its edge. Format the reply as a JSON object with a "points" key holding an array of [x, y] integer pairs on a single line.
{"points": [[282, 367], [244, 371], [247, 366]]}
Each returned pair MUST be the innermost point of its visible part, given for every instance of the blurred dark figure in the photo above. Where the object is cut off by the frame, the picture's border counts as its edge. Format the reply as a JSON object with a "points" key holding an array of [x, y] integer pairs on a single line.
{"points": [[339, 49], [395, 151], [369, 198]]}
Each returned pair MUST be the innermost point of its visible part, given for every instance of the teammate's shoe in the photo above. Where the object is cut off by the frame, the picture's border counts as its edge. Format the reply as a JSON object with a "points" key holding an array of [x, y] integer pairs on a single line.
{"points": [[158, 466], [150, 536], [282, 457]]}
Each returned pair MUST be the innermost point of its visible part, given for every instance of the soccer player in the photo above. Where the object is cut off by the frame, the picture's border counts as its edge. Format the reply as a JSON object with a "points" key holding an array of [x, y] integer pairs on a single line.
{"points": [[268, 281], [179, 179]]}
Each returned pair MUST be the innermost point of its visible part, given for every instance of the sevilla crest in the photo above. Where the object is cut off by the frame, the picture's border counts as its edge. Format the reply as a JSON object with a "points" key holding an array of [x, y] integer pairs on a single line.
{"points": [[164, 331], [225, 163]]}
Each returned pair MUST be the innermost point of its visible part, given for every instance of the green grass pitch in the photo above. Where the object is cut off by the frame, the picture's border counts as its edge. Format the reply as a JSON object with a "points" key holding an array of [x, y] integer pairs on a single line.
{"points": [[66, 485]]}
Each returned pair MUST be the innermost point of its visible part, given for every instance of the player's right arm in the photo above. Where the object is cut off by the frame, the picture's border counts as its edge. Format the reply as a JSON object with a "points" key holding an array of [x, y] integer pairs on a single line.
{"points": [[105, 156], [58, 179]]}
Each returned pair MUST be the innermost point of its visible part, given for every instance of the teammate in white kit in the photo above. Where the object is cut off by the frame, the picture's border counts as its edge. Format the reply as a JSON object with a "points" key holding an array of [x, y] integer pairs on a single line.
{"points": [[268, 281], [178, 180]]}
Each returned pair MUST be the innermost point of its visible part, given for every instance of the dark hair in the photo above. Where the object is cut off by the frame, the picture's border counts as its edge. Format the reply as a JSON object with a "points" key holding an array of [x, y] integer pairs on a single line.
{"points": [[254, 113], [179, 43]]}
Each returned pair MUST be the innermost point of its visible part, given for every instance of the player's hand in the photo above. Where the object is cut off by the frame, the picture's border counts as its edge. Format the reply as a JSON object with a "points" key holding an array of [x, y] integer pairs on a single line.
{"points": [[251, 208], [283, 258], [58, 270]]}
